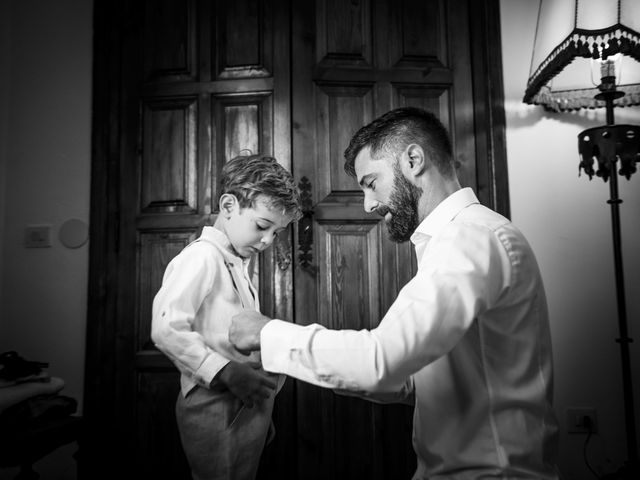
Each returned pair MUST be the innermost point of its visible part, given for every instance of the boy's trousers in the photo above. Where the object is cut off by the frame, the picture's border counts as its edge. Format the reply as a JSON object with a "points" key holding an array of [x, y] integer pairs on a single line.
{"points": [[223, 439]]}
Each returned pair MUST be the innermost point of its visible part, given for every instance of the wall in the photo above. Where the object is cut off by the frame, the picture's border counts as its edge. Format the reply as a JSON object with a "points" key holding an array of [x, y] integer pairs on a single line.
{"points": [[5, 39], [568, 222], [45, 158], [45, 106]]}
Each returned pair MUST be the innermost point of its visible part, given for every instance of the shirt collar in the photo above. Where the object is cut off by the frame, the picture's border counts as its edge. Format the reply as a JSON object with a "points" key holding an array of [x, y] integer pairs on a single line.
{"points": [[218, 237], [444, 213]]}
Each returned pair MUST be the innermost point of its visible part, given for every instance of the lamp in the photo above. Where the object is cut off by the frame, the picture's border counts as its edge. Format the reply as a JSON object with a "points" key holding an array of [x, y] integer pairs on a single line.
{"points": [[587, 55]]}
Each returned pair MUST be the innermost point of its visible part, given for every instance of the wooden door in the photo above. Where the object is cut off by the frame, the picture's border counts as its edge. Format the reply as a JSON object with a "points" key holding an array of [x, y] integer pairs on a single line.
{"points": [[181, 86], [191, 83], [354, 61]]}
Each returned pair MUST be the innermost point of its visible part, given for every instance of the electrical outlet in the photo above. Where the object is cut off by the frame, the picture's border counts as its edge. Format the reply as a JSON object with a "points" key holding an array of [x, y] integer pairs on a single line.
{"points": [[582, 420], [37, 236]]}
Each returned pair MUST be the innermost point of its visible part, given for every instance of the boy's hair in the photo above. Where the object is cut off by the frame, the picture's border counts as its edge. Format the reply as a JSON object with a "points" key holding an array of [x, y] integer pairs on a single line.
{"points": [[249, 176], [393, 131]]}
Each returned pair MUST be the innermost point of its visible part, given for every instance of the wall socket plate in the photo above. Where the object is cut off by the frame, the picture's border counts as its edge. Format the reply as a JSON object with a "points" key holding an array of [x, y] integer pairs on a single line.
{"points": [[37, 236], [578, 419]]}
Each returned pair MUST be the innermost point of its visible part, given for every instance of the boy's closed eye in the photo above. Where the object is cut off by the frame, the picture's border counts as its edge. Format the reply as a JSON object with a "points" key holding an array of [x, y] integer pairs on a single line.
{"points": [[266, 225]]}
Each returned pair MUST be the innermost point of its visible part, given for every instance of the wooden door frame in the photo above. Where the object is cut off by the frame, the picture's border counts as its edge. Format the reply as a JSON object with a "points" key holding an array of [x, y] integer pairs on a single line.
{"points": [[488, 92], [103, 439], [101, 349]]}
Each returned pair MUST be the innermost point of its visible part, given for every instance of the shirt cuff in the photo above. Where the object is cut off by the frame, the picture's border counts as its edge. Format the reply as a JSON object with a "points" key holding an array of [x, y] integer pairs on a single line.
{"points": [[277, 340], [209, 369]]}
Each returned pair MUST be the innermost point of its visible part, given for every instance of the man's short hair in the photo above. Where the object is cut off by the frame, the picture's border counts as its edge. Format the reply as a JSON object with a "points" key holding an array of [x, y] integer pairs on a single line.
{"points": [[250, 176], [392, 132]]}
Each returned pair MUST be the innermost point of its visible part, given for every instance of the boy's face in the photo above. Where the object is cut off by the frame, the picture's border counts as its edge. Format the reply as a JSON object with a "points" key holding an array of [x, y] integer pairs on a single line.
{"points": [[252, 229]]}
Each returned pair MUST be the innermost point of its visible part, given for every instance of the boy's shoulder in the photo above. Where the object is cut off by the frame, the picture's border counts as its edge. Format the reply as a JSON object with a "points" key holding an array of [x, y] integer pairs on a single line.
{"points": [[211, 243]]}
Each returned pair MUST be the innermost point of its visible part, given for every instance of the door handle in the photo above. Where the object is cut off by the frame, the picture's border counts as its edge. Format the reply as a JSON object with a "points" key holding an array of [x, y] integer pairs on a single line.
{"points": [[305, 224]]}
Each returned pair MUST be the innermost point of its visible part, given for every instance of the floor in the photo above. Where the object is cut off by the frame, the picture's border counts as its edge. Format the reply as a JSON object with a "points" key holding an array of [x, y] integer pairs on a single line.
{"points": [[58, 465]]}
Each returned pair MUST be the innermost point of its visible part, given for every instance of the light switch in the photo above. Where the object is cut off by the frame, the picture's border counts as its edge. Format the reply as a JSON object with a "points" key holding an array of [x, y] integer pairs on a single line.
{"points": [[37, 236]]}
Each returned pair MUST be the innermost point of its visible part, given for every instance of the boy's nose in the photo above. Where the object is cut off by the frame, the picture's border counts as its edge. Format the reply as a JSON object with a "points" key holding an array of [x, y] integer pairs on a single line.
{"points": [[267, 239]]}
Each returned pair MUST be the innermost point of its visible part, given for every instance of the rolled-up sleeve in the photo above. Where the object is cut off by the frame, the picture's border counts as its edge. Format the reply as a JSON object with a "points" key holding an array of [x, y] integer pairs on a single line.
{"points": [[188, 279]]}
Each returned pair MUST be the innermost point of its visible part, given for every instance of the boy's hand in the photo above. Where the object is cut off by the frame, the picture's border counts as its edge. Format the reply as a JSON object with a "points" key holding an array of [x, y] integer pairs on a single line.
{"points": [[248, 382], [244, 332]]}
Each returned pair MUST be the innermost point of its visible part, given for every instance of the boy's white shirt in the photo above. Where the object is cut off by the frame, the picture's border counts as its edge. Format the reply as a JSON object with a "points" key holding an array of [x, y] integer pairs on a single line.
{"points": [[203, 287]]}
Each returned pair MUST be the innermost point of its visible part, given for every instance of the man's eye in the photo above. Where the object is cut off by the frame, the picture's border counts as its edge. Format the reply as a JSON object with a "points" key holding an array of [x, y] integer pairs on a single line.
{"points": [[261, 227], [372, 185]]}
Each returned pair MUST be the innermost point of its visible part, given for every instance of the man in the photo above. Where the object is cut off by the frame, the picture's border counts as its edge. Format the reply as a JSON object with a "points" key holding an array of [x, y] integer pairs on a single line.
{"points": [[467, 339]]}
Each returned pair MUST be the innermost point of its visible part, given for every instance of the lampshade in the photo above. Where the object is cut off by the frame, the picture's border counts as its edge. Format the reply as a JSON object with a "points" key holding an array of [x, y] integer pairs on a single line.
{"points": [[578, 42]]}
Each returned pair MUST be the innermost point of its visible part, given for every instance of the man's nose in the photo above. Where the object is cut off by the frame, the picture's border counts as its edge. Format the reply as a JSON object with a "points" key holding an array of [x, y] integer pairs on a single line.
{"points": [[370, 204]]}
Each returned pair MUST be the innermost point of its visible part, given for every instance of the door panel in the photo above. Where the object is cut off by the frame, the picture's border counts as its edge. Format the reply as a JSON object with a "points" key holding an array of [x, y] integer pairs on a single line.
{"points": [[338, 109], [170, 42], [357, 60], [168, 160], [349, 276], [156, 398], [157, 248], [180, 87]]}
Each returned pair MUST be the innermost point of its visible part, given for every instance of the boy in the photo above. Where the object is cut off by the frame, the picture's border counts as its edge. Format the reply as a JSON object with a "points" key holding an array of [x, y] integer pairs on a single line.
{"points": [[224, 407]]}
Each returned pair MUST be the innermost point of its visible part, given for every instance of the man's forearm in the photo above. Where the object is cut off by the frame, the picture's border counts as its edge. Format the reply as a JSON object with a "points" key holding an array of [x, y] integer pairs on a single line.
{"points": [[336, 359]]}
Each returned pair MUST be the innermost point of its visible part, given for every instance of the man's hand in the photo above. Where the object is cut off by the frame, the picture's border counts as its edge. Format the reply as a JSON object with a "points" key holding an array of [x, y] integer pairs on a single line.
{"points": [[248, 382], [244, 332]]}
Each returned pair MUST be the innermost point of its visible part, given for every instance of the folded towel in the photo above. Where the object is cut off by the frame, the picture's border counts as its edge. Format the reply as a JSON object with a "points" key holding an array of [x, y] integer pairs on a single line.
{"points": [[21, 391], [35, 410], [37, 377]]}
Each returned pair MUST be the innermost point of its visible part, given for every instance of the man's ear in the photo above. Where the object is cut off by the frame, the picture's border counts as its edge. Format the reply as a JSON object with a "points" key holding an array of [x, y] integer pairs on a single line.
{"points": [[228, 204], [415, 161]]}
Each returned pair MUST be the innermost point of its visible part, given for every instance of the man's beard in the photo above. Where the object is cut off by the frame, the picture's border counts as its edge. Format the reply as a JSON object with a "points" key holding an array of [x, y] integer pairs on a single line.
{"points": [[403, 205]]}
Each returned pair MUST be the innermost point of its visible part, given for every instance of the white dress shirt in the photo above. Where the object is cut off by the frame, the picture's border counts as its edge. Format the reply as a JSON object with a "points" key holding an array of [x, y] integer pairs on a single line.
{"points": [[203, 287], [468, 336]]}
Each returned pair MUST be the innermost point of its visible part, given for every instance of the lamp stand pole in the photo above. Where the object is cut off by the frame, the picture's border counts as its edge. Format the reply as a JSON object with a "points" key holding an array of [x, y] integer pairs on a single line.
{"points": [[631, 470]]}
